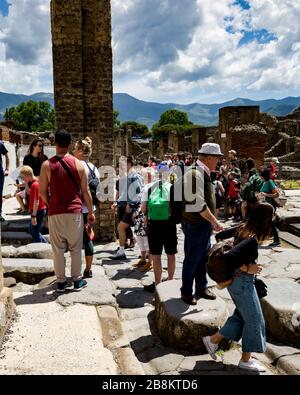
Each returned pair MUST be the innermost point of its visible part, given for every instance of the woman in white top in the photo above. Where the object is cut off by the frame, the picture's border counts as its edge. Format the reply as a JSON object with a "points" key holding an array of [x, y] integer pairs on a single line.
{"points": [[83, 151]]}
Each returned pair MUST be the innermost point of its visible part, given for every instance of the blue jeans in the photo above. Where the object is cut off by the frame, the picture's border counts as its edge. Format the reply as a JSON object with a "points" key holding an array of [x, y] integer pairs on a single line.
{"points": [[36, 230], [247, 322], [2, 178], [196, 248]]}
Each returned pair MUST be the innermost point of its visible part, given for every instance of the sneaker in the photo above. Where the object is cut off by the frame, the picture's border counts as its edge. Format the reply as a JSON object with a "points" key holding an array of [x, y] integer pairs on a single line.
{"points": [[118, 255], [210, 347], [149, 288], [274, 244], [87, 274], [79, 285], [147, 267], [62, 287], [140, 263], [252, 365]]}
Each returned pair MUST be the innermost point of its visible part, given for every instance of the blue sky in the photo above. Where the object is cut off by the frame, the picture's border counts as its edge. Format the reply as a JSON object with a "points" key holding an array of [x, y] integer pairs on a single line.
{"points": [[4, 7], [180, 51]]}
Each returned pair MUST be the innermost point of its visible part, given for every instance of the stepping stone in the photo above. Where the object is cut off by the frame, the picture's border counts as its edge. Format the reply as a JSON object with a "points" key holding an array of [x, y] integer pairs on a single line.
{"points": [[281, 308], [16, 238], [290, 238], [36, 251], [21, 225], [182, 326], [28, 271]]}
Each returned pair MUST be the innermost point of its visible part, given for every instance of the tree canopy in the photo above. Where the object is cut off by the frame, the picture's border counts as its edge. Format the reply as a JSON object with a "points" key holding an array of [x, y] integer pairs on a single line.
{"points": [[116, 120], [31, 116], [174, 117], [172, 120], [138, 129]]}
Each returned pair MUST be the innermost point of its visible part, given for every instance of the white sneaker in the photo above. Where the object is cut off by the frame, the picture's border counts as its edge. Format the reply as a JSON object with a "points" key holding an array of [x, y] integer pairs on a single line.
{"points": [[119, 255], [210, 347], [252, 365]]}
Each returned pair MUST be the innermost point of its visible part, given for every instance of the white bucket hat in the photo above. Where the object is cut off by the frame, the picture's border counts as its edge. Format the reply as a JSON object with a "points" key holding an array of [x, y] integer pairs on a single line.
{"points": [[210, 149]]}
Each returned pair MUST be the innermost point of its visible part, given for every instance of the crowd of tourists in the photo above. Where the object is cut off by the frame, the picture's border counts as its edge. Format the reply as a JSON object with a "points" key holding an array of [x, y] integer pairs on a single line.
{"points": [[63, 189]]}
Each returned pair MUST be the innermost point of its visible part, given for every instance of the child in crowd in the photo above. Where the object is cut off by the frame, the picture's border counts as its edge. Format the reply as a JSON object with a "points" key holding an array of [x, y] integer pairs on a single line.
{"points": [[140, 231], [238, 203], [37, 206], [232, 194]]}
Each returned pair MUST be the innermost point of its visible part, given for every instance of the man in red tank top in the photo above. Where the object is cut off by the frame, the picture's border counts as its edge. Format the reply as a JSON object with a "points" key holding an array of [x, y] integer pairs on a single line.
{"points": [[63, 183]]}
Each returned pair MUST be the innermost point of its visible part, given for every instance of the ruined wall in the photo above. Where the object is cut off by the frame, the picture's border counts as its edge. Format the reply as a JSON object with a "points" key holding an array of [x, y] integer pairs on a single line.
{"points": [[229, 117], [250, 141], [82, 66]]}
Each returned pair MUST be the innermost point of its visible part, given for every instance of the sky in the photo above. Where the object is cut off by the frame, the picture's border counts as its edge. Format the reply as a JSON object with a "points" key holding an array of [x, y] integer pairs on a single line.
{"points": [[182, 51]]}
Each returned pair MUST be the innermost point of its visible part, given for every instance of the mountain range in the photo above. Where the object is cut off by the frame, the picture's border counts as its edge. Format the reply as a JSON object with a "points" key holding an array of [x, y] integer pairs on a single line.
{"points": [[132, 109]]}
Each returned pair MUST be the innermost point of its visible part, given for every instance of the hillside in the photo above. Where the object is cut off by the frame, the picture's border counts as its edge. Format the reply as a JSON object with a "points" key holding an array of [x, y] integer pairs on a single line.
{"points": [[132, 109]]}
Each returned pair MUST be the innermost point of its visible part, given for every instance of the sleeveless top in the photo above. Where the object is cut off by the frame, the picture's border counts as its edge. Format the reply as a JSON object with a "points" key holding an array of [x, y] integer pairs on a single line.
{"points": [[65, 198]]}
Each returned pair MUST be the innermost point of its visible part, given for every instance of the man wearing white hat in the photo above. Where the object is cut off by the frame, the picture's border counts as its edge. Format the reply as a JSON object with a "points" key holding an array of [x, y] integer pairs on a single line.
{"points": [[198, 224]]}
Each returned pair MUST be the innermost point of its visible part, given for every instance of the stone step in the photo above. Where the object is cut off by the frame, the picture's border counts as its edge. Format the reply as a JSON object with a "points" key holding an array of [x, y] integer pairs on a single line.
{"points": [[16, 238], [294, 229], [20, 225], [281, 308], [290, 238], [28, 271], [182, 326]]}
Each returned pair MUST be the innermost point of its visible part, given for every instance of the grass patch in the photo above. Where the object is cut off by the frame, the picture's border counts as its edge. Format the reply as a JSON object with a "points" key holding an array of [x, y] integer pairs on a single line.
{"points": [[291, 184]]}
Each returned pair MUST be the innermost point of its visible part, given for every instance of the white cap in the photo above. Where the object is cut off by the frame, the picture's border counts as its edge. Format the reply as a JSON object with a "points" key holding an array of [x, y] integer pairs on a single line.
{"points": [[210, 149]]}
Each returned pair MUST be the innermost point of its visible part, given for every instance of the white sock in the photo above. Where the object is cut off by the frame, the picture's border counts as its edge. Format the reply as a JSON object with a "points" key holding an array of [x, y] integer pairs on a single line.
{"points": [[122, 250]]}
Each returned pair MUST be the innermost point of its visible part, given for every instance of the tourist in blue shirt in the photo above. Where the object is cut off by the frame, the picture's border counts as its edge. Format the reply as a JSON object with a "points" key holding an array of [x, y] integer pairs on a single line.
{"points": [[270, 192]]}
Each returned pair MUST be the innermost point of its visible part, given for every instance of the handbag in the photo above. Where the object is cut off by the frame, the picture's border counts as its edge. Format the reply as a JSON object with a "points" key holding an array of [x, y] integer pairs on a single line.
{"points": [[261, 288]]}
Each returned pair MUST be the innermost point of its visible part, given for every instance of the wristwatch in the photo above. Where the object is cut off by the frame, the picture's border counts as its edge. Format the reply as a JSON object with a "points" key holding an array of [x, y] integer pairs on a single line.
{"points": [[33, 216]]}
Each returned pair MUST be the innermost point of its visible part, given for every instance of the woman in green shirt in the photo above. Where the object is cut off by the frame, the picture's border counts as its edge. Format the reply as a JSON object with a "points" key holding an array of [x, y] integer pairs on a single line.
{"points": [[269, 190]]}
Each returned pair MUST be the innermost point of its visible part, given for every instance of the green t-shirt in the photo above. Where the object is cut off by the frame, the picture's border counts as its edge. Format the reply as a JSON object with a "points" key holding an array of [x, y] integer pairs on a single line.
{"points": [[268, 186]]}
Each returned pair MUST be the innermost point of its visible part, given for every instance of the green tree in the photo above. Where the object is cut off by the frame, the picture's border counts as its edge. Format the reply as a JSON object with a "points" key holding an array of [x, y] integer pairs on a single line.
{"points": [[116, 120], [174, 117], [31, 116], [138, 129]]}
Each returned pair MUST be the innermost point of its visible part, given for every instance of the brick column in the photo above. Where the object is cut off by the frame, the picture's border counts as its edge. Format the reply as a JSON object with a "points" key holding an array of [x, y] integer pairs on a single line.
{"points": [[82, 66]]}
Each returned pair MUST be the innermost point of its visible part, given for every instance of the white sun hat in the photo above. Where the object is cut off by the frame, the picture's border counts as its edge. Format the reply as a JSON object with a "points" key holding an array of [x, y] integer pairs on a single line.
{"points": [[210, 149]]}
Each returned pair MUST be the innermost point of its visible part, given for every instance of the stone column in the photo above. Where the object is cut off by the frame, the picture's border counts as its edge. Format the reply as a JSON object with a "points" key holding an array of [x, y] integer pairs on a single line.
{"points": [[1, 273], [7, 304], [82, 66]]}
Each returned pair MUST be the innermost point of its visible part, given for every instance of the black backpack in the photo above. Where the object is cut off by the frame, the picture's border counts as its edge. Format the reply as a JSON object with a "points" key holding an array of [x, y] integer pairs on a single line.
{"points": [[93, 184]]}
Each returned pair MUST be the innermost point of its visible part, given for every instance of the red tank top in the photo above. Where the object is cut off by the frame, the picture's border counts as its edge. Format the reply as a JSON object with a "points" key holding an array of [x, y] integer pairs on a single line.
{"points": [[65, 198]]}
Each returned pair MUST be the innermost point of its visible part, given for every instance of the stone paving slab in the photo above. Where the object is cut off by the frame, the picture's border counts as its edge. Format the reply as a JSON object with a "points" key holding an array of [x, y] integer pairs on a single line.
{"points": [[181, 325], [29, 271], [98, 292], [52, 346], [281, 308]]}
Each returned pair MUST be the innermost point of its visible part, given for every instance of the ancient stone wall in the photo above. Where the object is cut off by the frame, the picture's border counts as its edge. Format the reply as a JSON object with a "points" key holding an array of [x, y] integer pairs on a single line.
{"points": [[249, 141], [229, 117], [82, 66]]}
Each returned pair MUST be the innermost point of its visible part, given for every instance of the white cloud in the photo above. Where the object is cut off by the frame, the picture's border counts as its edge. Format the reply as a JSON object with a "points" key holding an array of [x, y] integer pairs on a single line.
{"points": [[25, 47], [169, 50]]}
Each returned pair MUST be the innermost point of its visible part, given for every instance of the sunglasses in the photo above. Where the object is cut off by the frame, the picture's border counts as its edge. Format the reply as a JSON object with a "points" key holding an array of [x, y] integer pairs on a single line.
{"points": [[40, 145]]}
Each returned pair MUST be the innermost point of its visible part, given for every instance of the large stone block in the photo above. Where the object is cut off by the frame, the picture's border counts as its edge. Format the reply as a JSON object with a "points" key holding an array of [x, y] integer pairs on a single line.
{"points": [[182, 326], [7, 308], [28, 271], [281, 310]]}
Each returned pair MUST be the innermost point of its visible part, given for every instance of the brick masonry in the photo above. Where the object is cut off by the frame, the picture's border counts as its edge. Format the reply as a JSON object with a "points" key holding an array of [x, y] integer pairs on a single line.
{"points": [[82, 66]]}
